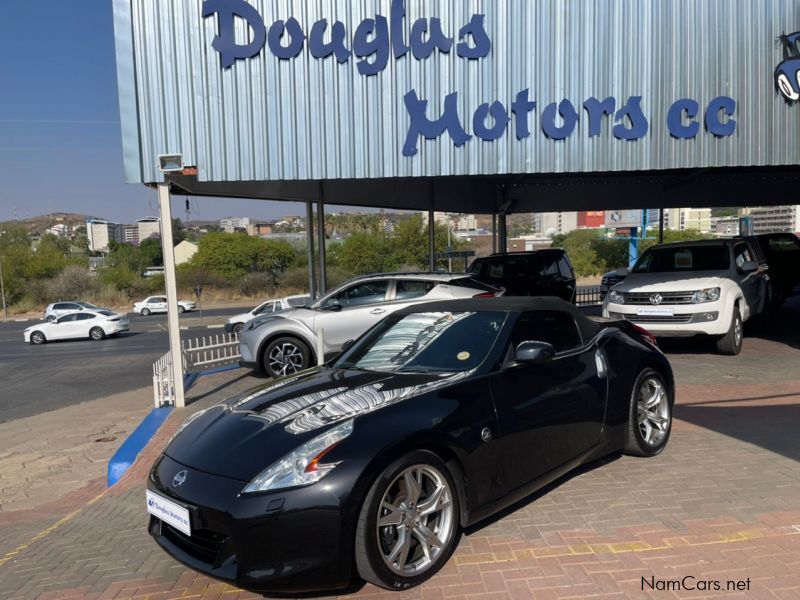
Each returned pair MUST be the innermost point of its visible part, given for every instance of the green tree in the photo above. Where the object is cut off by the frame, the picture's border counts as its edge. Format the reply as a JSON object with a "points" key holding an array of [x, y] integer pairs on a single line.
{"points": [[367, 253], [233, 255], [410, 242]]}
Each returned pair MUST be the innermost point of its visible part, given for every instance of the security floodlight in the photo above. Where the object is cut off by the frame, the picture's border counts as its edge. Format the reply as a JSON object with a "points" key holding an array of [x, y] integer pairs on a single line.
{"points": [[170, 163]]}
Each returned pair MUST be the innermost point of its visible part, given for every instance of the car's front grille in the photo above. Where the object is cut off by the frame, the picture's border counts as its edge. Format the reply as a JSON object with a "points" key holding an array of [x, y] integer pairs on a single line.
{"points": [[666, 298], [203, 544], [653, 319]]}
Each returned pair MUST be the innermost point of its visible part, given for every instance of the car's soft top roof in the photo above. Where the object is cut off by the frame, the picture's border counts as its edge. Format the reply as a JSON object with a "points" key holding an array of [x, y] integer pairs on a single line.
{"points": [[516, 304]]}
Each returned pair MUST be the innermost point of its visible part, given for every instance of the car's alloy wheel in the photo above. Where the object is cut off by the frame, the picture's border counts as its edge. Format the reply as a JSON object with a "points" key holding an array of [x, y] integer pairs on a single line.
{"points": [[409, 523], [145, 312], [650, 417], [181, 309], [37, 338], [731, 342], [96, 333], [286, 356], [50, 319]]}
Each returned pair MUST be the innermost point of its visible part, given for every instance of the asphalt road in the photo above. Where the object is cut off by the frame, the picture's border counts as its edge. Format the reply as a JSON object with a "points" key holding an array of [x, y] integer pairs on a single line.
{"points": [[35, 379]]}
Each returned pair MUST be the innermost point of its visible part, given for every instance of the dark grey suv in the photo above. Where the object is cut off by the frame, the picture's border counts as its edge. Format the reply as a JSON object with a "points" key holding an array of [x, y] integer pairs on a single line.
{"points": [[540, 273]]}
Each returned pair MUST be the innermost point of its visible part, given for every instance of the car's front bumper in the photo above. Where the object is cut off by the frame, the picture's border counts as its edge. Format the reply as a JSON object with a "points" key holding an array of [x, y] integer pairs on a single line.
{"points": [[686, 320], [287, 541]]}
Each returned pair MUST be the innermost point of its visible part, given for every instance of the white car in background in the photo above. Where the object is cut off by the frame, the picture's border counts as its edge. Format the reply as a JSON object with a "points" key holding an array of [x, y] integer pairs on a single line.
{"points": [[237, 322], [59, 309], [158, 304], [87, 324]]}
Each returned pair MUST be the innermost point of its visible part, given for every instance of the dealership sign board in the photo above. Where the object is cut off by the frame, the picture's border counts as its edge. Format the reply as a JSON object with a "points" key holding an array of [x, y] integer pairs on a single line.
{"points": [[256, 89]]}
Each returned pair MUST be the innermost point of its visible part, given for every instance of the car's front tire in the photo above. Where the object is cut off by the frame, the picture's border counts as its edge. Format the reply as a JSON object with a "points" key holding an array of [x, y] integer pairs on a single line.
{"points": [[145, 312], [50, 319], [181, 309], [96, 334], [650, 415], [37, 338], [731, 343], [409, 523], [286, 356]]}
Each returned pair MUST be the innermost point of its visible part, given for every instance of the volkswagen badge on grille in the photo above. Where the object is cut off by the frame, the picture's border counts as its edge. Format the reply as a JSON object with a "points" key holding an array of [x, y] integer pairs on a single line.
{"points": [[656, 299]]}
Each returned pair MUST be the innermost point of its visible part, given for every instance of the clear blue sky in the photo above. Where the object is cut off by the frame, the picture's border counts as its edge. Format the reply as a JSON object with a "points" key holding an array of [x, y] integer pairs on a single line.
{"points": [[60, 147]]}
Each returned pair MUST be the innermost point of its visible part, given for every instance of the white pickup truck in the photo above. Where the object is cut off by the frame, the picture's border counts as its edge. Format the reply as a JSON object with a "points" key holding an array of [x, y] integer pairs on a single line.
{"points": [[693, 288]]}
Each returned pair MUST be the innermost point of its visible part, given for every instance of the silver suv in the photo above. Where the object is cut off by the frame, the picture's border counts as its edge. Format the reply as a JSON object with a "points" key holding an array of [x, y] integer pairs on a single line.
{"points": [[285, 343], [59, 309]]}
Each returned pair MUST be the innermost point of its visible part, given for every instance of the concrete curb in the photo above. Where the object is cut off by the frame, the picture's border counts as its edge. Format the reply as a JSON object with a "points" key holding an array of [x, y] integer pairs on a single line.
{"points": [[190, 380], [125, 456]]}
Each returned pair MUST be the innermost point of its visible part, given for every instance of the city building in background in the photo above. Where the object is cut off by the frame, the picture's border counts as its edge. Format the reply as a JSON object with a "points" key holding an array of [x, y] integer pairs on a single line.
{"points": [[101, 233], [258, 229], [232, 224], [184, 252], [130, 234], [725, 226], [591, 219], [683, 219], [148, 227], [775, 219], [551, 224]]}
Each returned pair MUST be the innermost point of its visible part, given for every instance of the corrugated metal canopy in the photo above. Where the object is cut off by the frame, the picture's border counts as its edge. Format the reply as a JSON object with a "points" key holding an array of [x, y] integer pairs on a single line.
{"points": [[519, 194], [274, 128]]}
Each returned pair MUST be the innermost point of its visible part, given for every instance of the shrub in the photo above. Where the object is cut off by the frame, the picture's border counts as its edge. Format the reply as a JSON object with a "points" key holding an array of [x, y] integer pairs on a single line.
{"points": [[72, 283]]}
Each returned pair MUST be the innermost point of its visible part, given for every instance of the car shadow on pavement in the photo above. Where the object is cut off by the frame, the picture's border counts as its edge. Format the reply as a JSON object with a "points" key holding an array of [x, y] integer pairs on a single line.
{"points": [[773, 428]]}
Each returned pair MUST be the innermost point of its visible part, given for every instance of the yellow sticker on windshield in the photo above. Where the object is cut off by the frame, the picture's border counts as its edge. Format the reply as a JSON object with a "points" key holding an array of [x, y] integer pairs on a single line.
{"points": [[463, 356]]}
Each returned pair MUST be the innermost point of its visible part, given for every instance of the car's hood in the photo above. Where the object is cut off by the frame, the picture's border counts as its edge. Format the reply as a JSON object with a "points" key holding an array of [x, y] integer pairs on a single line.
{"points": [[671, 282], [242, 436]]}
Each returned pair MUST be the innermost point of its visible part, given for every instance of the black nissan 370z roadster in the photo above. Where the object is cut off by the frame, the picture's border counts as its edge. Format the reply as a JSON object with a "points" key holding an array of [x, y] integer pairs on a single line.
{"points": [[436, 418]]}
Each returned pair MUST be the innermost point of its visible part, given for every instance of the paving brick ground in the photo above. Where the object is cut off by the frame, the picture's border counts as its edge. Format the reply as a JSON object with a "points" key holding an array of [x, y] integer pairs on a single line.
{"points": [[721, 503]]}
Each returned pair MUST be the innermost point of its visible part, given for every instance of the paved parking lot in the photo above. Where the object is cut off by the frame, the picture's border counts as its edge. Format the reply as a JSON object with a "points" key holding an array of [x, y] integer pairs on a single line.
{"points": [[721, 503]]}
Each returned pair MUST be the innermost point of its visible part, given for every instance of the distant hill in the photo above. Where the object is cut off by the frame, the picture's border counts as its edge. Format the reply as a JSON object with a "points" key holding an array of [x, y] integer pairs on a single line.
{"points": [[38, 225]]}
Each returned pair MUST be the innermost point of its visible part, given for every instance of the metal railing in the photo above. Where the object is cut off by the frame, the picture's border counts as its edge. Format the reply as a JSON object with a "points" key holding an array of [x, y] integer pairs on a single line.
{"points": [[589, 296], [210, 352], [199, 354], [163, 384]]}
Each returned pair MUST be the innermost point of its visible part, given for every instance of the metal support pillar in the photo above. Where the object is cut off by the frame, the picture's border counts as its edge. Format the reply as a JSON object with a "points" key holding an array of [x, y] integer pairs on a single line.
{"points": [[312, 274], [431, 239], [323, 267], [494, 234], [3, 290], [660, 225], [503, 235], [167, 248], [633, 247]]}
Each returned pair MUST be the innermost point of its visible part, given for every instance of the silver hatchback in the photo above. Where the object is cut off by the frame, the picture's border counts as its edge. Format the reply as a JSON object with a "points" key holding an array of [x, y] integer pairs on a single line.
{"points": [[285, 343]]}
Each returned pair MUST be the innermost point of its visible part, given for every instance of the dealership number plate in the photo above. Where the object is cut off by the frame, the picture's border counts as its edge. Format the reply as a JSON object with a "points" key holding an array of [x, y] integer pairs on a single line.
{"points": [[169, 512], [655, 311]]}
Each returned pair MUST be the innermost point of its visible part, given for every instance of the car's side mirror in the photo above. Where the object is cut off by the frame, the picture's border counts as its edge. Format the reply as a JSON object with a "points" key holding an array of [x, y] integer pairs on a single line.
{"points": [[623, 272], [534, 353], [750, 266], [347, 344], [332, 306]]}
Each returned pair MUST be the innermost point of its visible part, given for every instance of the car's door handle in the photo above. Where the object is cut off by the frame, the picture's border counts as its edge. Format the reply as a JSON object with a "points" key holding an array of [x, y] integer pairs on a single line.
{"points": [[377, 311]]}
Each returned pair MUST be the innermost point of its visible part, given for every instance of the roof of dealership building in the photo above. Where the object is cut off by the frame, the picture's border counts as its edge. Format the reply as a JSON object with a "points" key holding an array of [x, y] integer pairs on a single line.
{"points": [[651, 113]]}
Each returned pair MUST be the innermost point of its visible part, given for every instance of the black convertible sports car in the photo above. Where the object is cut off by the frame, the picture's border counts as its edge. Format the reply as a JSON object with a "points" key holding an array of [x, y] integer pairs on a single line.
{"points": [[436, 418]]}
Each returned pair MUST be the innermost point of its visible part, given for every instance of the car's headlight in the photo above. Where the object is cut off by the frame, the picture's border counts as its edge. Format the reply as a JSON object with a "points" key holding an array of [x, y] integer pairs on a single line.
{"points": [[703, 296], [258, 322], [303, 466], [615, 297]]}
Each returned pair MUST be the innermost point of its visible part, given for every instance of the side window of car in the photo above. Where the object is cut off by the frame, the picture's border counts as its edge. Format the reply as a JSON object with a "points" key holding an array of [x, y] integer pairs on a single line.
{"points": [[60, 307], [554, 327], [742, 255], [67, 318], [549, 267], [564, 268], [84, 317], [408, 290], [73, 307], [266, 308], [360, 294]]}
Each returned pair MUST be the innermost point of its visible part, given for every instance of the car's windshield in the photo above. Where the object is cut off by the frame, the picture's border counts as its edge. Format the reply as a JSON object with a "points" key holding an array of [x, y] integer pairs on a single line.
{"points": [[299, 301], [430, 342], [685, 258]]}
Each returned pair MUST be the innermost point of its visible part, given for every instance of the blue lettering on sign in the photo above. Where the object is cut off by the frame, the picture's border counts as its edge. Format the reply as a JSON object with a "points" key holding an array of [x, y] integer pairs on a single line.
{"points": [[378, 39]]}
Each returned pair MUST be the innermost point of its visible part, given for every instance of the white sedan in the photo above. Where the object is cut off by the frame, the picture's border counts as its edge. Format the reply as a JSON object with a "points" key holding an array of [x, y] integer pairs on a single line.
{"points": [[235, 323], [93, 325], [158, 304]]}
